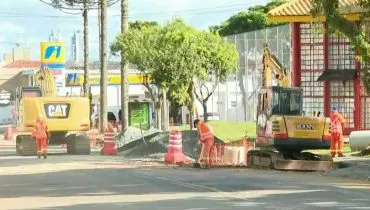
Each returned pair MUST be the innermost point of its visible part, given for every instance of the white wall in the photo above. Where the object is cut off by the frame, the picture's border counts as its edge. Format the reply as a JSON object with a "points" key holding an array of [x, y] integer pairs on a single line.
{"points": [[227, 102]]}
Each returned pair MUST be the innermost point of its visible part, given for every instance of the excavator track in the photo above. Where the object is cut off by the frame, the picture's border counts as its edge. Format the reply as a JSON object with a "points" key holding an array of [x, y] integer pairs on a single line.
{"points": [[304, 161]]}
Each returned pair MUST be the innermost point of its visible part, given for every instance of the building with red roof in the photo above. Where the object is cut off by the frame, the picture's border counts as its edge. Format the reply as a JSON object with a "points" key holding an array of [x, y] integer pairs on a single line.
{"points": [[18, 73]]}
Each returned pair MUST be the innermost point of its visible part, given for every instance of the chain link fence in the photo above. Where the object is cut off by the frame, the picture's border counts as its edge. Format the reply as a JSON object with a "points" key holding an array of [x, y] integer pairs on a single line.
{"points": [[236, 100]]}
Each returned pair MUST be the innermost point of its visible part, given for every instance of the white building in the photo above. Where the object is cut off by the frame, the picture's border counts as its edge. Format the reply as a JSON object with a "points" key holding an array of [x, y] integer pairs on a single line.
{"points": [[77, 47], [55, 37]]}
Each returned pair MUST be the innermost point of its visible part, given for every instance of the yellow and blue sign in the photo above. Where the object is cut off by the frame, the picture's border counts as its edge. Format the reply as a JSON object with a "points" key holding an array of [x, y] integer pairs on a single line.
{"points": [[76, 79], [53, 55]]}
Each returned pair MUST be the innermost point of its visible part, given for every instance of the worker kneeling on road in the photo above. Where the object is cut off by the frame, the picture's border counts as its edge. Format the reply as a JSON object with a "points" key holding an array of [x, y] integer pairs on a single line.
{"points": [[336, 130], [207, 140], [41, 134]]}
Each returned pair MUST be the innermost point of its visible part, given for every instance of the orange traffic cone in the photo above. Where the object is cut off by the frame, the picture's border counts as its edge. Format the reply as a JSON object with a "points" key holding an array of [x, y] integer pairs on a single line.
{"points": [[175, 154], [109, 147]]}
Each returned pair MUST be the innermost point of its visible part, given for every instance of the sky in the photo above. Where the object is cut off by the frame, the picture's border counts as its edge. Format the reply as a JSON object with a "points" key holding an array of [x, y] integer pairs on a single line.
{"points": [[29, 22]]}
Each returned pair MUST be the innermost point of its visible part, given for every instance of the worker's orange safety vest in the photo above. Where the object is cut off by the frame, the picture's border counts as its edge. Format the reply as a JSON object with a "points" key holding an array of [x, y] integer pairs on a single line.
{"points": [[40, 130], [337, 123], [205, 133]]}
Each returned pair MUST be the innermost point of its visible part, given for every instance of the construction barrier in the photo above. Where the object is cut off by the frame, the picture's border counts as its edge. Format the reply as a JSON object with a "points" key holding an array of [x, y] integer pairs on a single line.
{"points": [[9, 133], [175, 153], [109, 146], [93, 136], [232, 154]]}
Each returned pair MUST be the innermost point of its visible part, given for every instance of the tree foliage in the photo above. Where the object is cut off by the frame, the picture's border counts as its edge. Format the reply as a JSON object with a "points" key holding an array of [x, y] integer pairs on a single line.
{"points": [[254, 18], [338, 23], [138, 24], [176, 56]]}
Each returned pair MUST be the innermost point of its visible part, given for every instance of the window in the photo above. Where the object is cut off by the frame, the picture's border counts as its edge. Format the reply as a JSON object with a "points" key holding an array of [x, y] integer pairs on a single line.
{"points": [[287, 102], [31, 94]]}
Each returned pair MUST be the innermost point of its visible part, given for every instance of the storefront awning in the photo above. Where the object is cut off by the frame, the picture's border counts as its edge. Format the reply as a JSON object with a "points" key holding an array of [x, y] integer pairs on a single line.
{"points": [[338, 75]]}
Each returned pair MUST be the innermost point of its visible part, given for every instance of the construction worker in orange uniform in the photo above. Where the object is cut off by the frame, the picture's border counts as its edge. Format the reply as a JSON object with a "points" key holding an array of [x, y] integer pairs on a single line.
{"points": [[41, 133], [207, 140], [336, 130]]}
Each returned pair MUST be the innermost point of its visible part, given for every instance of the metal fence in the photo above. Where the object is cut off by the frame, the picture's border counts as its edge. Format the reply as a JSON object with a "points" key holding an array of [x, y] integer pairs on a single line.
{"points": [[236, 99]]}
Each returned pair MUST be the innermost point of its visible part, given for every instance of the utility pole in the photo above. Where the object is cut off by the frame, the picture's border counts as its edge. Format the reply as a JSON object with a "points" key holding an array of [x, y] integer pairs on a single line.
{"points": [[86, 47], [99, 27], [124, 70], [103, 69]]}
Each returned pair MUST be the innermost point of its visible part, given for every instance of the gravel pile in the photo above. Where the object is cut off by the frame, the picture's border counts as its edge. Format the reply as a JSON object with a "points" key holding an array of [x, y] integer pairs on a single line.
{"points": [[154, 145], [354, 168], [133, 134]]}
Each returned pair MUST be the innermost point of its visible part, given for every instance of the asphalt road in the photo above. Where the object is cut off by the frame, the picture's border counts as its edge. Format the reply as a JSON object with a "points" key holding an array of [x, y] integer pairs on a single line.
{"points": [[101, 182]]}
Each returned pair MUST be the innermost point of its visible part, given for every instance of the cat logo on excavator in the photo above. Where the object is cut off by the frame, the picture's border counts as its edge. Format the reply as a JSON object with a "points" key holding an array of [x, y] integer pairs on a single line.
{"points": [[57, 110]]}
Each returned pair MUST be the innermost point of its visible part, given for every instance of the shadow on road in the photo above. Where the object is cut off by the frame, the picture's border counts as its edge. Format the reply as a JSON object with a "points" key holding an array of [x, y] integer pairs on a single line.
{"points": [[165, 188]]}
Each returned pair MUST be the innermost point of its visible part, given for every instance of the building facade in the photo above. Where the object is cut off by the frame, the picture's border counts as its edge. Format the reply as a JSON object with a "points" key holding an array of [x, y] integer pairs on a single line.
{"points": [[55, 36], [324, 64], [77, 47], [236, 99]]}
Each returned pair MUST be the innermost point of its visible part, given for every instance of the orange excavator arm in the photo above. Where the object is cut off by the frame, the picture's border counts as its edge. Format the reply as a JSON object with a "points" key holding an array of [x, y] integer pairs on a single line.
{"points": [[273, 69]]}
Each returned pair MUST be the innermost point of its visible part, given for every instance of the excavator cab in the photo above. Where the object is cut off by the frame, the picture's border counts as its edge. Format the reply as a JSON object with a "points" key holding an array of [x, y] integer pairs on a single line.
{"points": [[280, 101], [286, 101]]}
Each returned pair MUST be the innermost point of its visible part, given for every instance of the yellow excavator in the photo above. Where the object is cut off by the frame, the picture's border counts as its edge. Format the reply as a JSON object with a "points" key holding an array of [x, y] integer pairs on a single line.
{"points": [[67, 117], [283, 131]]}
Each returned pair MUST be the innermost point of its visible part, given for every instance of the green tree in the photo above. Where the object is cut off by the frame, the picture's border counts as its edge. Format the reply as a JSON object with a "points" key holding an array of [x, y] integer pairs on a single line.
{"points": [[140, 48], [177, 58], [138, 24], [218, 59], [254, 18], [358, 35]]}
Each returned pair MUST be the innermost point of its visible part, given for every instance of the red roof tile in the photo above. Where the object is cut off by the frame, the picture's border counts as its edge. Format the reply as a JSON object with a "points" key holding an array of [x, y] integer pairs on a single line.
{"points": [[24, 64]]}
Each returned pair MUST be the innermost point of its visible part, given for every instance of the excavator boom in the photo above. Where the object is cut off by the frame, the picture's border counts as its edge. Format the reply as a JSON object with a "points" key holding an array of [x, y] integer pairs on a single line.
{"points": [[44, 79], [273, 69]]}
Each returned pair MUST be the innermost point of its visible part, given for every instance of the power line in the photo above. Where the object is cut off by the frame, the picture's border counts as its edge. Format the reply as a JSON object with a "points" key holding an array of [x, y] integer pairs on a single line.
{"points": [[131, 16], [199, 11], [77, 6]]}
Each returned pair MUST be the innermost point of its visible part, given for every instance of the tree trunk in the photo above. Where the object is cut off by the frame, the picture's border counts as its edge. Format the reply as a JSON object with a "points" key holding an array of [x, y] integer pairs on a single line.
{"points": [[244, 94], [103, 72], [165, 126], [204, 105], [158, 106], [86, 48], [124, 70], [191, 119], [191, 105]]}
